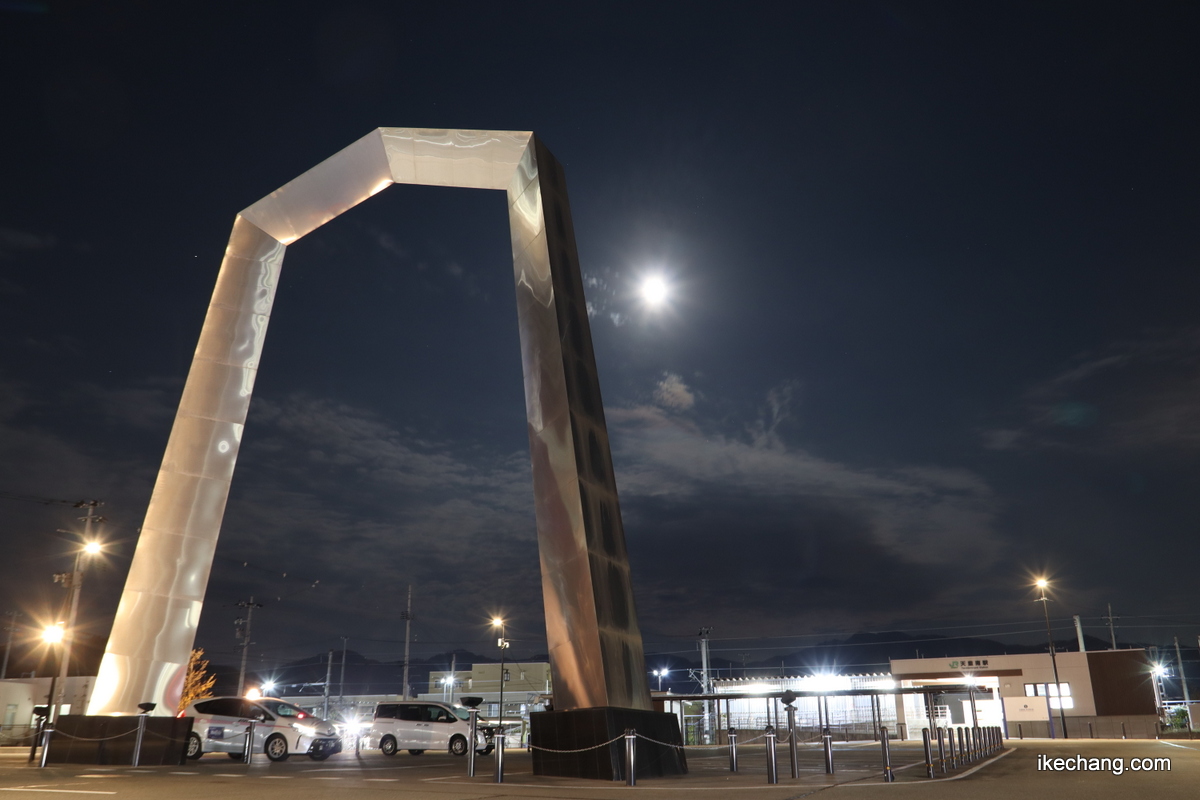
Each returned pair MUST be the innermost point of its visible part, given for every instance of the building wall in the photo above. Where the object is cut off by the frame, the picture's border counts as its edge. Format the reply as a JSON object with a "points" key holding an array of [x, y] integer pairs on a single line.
{"points": [[524, 677], [18, 696], [1012, 672], [1122, 682]]}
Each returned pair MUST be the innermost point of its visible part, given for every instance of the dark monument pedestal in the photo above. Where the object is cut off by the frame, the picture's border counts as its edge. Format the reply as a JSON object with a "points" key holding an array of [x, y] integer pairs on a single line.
{"points": [[79, 739], [588, 727]]}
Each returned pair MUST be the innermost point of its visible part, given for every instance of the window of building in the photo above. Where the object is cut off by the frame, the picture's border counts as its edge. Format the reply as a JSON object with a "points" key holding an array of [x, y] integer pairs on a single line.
{"points": [[1060, 694]]}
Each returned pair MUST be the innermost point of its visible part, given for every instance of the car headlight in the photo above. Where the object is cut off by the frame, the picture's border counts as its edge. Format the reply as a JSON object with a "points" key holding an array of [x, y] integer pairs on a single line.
{"points": [[307, 730]]}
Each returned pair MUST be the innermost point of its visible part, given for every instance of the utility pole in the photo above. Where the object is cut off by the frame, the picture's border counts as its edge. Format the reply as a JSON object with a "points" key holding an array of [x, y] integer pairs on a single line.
{"points": [[407, 632], [453, 669], [1079, 633], [328, 678], [244, 633], [342, 683], [704, 681], [1112, 634], [11, 628]]}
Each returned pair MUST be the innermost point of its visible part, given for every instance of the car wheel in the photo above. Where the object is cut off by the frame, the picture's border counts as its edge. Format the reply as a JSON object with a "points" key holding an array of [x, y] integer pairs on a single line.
{"points": [[319, 755], [276, 748], [485, 751], [458, 746], [415, 752], [195, 747], [388, 746]]}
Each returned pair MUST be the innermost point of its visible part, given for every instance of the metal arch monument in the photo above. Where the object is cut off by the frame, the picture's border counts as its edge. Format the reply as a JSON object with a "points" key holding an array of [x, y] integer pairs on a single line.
{"points": [[591, 624]]}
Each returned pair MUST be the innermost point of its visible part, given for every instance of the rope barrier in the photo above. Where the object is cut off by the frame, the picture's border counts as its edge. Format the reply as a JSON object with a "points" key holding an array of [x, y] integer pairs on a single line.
{"points": [[580, 750], [88, 739]]}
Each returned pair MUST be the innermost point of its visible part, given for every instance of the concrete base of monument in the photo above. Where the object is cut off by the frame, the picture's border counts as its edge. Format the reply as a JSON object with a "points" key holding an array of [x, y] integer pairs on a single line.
{"points": [[586, 730]]}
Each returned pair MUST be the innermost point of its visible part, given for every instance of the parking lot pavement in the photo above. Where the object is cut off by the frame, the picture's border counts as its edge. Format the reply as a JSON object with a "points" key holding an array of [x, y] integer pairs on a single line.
{"points": [[1015, 774]]}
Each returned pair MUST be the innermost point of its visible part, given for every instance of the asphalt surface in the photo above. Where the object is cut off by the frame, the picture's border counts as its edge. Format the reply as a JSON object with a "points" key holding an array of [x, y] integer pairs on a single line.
{"points": [[1014, 773]]}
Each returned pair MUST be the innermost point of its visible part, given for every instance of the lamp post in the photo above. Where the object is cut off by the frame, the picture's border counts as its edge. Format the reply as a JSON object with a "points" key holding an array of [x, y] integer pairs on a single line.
{"points": [[53, 635], [502, 643], [1042, 583], [74, 582], [660, 674]]}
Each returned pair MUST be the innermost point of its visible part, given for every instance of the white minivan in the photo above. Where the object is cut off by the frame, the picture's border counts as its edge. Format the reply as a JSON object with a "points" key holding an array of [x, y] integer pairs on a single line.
{"points": [[281, 729], [417, 726]]}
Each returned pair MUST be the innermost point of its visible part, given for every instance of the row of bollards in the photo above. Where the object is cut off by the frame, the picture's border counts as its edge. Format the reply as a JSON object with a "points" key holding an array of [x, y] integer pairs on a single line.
{"points": [[956, 747]]}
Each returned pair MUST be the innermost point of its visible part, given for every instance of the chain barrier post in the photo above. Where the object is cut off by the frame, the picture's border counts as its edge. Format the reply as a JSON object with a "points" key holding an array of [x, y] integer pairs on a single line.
{"points": [[47, 732], [248, 750], [772, 773], [962, 750], [926, 741], [137, 742], [733, 749], [499, 737], [888, 775], [827, 741], [792, 753], [474, 717], [942, 749], [630, 757]]}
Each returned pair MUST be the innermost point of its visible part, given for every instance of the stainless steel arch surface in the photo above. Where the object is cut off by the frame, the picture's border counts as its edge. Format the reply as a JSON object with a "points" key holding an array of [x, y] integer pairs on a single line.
{"points": [[591, 623]]}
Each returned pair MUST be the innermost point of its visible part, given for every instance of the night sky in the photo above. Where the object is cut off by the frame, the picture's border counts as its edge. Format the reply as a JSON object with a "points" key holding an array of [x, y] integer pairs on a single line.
{"points": [[932, 324]]}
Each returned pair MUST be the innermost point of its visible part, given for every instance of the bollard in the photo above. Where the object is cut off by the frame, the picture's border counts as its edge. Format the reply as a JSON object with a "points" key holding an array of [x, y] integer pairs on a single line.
{"points": [[1020, 732], [473, 716], [137, 742], [47, 732], [827, 740], [630, 757], [963, 756], [1091, 731], [888, 775], [926, 740], [1123, 736], [248, 747], [942, 749], [732, 749], [772, 773], [499, 737], [792, 754]]}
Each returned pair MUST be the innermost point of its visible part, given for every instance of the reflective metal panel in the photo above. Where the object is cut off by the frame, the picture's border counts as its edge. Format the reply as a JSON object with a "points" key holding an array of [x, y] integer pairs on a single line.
{"points": [[595, 645]]}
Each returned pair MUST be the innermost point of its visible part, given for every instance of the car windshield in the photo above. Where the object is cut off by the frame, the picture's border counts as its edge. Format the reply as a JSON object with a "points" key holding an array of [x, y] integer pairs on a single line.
{"points": [[282, 709], [461, 712]]}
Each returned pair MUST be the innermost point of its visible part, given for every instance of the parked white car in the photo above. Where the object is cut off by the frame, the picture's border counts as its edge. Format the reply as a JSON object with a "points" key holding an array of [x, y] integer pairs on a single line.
{"points": [[280, 729], [417, 726]]}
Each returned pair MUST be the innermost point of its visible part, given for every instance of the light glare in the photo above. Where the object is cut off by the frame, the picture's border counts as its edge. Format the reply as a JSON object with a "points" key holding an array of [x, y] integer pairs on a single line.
{"points": [[92, 548], [52, 634], [655, 290]]}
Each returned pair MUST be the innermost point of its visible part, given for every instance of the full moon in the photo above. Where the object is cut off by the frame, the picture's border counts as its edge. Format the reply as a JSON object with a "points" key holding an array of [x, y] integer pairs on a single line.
{"points": [[654, 290]]}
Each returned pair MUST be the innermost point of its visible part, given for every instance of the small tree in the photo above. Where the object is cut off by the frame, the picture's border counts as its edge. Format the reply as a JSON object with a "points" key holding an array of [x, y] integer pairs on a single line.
{"points": [[197, 684]]}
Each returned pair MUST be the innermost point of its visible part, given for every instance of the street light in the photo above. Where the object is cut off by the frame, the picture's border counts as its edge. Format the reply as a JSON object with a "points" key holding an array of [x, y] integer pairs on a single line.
{"points": [[1042, 583], [52, 635], [502, 643], [73, 581], [660, 674]]}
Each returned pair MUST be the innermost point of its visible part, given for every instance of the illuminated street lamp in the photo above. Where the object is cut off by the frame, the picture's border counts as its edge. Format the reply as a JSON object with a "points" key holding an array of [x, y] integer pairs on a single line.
{"points": [[660, 674], [1042, 584], [74, 581], [53, 636], [502, 643]]}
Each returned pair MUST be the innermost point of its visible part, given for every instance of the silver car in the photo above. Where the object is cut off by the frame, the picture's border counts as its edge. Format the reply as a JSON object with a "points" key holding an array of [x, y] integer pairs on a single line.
{"points": [[280, 729]]}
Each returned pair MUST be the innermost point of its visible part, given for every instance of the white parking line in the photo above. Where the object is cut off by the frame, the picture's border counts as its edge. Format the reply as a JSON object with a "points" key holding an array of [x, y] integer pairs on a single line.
{"points": [[54, 791]]}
